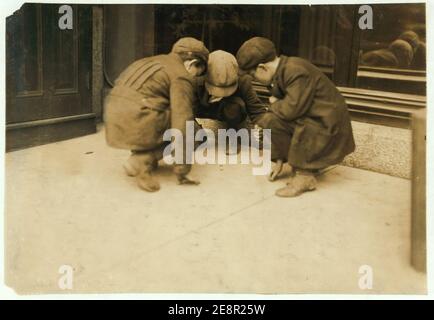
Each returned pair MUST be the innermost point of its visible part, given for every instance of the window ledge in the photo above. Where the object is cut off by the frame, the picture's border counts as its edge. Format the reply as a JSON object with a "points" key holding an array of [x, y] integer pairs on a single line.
{"points": [[392, 76]]}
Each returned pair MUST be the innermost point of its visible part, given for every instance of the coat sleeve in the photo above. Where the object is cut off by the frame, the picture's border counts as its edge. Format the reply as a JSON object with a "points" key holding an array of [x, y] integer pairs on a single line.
{"points": [[254, 106], [182, 101], [299, 91], [200, 107]]}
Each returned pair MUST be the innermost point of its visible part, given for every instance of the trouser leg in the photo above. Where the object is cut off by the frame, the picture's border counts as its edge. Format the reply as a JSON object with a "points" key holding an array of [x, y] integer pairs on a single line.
{"points": [[301, 180], [281, 135]]}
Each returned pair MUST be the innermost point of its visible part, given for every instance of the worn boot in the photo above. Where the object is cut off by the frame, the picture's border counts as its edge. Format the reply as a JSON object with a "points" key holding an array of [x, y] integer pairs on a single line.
{"points": [[302, 181], [147, 181], [141, 164]]}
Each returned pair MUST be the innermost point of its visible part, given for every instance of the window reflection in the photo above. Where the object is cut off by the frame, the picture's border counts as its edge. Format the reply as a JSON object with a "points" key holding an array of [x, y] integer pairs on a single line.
{"points": [[397, 39]]}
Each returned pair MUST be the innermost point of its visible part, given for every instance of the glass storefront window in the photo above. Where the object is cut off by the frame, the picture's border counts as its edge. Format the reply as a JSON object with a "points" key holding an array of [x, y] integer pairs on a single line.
{"points": [[392, 56], [318, 34], [326, 39], [226, 27], [397, 39]]}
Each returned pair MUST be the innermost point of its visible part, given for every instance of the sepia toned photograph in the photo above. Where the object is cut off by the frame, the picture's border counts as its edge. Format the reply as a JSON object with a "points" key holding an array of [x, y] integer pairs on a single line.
{"points": [[216, 148]]}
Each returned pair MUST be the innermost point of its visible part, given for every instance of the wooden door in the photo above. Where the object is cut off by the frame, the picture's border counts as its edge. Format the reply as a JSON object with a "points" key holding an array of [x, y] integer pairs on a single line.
{"points": [[48, 96]]}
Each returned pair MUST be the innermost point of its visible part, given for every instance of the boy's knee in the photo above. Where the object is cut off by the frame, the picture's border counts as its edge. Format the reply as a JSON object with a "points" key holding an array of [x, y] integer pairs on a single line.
{"points": [[267, 120]]}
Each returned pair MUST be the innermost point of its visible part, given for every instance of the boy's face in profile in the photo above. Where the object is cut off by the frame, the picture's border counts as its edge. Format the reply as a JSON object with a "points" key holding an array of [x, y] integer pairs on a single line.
{"points": [[263, 74]]}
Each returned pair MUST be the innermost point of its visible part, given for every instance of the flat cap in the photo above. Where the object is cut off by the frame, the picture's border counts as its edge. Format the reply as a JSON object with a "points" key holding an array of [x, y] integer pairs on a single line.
{"points": [[191, 47], [403, 51], [255, 51], [222, 76], [411, 37]]}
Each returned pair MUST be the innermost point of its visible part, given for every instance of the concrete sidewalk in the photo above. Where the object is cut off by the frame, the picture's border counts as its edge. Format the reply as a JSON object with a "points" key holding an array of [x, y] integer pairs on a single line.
{"points": [[70, 203]]}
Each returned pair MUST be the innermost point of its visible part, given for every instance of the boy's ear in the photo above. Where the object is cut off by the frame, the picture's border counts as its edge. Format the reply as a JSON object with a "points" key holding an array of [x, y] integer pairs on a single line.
{"points": [[262, 66], [190, 63]]}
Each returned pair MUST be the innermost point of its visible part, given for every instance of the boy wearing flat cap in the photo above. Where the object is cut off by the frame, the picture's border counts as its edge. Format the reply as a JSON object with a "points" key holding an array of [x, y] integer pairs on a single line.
{"points": [[225, 96], [150, 96], [308, 117]]}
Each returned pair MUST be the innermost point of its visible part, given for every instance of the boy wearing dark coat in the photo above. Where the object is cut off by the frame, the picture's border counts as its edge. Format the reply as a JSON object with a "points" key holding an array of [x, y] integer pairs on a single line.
{"points": [[308, 117], [152, 95]]}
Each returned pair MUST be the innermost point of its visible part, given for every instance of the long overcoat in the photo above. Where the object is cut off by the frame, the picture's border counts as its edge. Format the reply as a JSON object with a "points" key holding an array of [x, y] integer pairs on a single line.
{"points": [[314, 113]]}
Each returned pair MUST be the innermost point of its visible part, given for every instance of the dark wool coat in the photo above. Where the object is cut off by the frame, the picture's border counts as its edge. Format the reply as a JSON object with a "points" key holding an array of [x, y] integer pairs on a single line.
{"points": [[311, 120]]}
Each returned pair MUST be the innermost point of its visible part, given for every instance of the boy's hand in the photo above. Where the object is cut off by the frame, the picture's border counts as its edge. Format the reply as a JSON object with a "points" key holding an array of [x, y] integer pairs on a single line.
{"points": [[272, 99], [183, 179], [277, 169]]}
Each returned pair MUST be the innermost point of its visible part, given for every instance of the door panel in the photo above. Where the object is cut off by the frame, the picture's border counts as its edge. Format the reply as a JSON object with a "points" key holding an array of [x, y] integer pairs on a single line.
{"points": [[66, 60], [28, 53], [48, 73]]}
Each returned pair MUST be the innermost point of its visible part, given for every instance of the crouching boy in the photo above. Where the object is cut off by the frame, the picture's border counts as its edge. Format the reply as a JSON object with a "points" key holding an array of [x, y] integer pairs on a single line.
{"points": [[152, 95], [308, 117], [225, 96]]}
